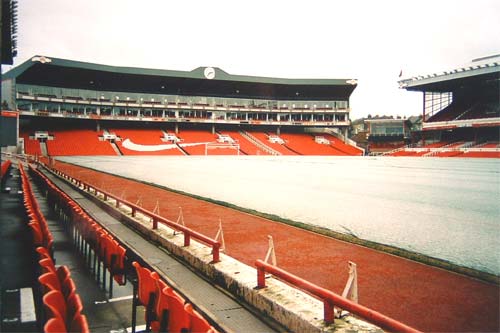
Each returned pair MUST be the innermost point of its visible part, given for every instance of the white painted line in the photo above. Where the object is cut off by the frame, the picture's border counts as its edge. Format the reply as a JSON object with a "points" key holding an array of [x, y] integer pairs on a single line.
{"points": [[123, 298], [27, 303], [137, 328], [117, 299]]}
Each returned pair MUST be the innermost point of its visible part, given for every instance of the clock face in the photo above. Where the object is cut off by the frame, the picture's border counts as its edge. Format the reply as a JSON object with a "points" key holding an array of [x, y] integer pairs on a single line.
{"points": [[209, 73]]}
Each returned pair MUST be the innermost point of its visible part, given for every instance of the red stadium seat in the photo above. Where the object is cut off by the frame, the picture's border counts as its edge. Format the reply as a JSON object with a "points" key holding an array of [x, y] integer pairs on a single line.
{"points": [[55, 305], [146, 293], [68, 287], [55, 325], [79, 324], [43, 253], [117, 263], [74, 307], [49, 282], [178, 319], [161, 307], [196, 322], [36, 232], [47, 265]]}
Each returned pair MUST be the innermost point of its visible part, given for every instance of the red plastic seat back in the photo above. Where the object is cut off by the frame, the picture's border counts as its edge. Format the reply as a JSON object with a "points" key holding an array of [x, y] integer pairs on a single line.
{"points": [[74, 307], [43, 253], [196, 322], [68, 287], [50, 282], [178, 318], [79, 324], [55, 325], [55, 305], [147, 285], [47, 266], [36, 233], [63, 273]]}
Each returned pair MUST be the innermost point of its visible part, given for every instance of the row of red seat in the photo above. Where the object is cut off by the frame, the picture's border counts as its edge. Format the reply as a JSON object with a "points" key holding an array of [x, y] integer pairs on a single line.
{"points": [[62, 304], [38, 224], [78, 142], [166, 310], [5, 167], [31, 146], [63, 307], [89, 235]]}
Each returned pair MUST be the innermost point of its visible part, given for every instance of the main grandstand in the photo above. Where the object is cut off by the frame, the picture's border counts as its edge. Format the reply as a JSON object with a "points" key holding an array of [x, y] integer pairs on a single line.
{"points": [[74, 108], [461, 111]]}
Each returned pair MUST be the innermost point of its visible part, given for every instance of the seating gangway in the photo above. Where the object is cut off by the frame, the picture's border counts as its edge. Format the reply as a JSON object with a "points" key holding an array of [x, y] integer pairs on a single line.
{"points": [[218, 306]]}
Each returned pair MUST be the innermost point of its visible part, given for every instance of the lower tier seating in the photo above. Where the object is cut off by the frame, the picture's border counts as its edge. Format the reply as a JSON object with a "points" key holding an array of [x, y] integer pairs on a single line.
{"points": [[78, 142]]}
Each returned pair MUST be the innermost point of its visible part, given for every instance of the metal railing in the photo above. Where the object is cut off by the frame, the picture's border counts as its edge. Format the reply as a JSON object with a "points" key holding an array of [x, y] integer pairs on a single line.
{"points": [[330, 299], [155, 218]]}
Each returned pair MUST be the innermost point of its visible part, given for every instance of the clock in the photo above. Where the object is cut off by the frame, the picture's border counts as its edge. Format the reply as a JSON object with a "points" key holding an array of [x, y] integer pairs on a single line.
{"points": [[209, 73]]}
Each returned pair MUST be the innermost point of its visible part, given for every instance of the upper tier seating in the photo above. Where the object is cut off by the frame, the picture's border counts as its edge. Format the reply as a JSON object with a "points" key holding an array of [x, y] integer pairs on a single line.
{"points": [[467, 110], [482, 110], [451, 112], [78, 142]]}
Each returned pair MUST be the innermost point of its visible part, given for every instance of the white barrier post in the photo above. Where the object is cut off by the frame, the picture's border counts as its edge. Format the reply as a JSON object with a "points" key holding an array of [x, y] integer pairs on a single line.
{"points": [[271, 254], [351, 288], [220, 237], [156, 210], [180, 219]]}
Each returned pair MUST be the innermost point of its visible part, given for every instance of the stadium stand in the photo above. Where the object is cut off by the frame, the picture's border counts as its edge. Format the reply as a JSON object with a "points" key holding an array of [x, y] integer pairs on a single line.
{"points": [[166, 310], [246, 146], [77, 142], [139, 136], [461, 110], [137, 101], [304, 144], [146, 137], [198, 139], [31, 146], [343, 147], [263, 137], [61, 303]]}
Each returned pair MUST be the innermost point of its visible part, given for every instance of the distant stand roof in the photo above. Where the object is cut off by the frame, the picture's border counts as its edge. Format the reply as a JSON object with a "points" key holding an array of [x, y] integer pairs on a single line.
{"points": [[202, 81], [479, 70]]}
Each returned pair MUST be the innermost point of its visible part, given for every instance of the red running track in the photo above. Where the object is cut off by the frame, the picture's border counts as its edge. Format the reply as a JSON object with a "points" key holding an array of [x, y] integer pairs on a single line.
{"points": [[427, 298]]}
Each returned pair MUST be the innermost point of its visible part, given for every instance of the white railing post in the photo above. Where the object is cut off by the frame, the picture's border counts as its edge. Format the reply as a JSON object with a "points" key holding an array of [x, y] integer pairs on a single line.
{"points": [[219, 237], [351, 288], [271, 254]]}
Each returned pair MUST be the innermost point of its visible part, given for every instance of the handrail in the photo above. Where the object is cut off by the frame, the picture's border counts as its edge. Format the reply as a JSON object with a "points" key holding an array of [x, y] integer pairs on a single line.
{"points": [[330, 299], [187, 232]]}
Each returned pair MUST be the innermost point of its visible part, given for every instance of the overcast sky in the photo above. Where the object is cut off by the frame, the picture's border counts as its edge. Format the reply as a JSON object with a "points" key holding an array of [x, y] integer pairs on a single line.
{"points": [[371, 41]]}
